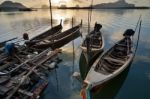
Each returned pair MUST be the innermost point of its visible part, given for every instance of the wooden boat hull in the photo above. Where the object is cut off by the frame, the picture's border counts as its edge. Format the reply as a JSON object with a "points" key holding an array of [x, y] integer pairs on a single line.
{"points": [[31, 92], [110, 89], [24, 70], [83, 65], [97, 49], [38, 59], [98, 83], [97, 77], [54, 30], [95, 42], [63, 42], [61, 39], [39, 89]]}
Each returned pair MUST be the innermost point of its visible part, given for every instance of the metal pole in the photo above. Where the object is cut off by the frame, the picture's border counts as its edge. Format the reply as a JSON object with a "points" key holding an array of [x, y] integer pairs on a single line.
{"points": [[50, 3]]}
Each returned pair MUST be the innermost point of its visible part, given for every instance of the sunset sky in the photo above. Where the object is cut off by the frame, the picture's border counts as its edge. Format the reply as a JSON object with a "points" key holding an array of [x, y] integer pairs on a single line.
{"points": [[38, 3]]}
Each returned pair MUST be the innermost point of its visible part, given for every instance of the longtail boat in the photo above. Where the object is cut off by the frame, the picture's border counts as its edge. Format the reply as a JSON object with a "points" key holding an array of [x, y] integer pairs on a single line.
{"points": [[94, 42], [54, 30], [91, 47], [59, 40], [111, 63], [25, 75], [51, 32]]}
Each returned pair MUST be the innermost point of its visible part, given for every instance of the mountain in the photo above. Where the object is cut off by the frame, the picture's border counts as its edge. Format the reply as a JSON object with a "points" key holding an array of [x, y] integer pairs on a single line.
{"points": [[117, 4], [9, 5]]}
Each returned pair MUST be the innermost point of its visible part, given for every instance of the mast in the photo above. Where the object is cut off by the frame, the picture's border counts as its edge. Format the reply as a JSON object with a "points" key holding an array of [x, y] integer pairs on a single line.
{"points": [[73, 49], [50, 3], [88, 39], [90, 16]]}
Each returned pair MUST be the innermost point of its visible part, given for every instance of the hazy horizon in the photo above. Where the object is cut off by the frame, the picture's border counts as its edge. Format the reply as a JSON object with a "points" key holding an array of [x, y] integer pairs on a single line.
{"points": [[39, 3]]}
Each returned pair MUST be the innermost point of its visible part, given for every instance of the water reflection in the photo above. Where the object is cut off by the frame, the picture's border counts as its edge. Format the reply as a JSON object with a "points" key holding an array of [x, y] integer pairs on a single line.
{"points": [[114, 23], [16, 23], [116, 11], [84, 64], [111, 88]]}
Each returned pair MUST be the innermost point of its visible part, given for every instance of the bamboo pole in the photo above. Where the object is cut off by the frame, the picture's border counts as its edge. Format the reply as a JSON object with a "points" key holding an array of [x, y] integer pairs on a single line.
{"points": [[32, 70], [50, 3], [138, 37], [73, 48]]}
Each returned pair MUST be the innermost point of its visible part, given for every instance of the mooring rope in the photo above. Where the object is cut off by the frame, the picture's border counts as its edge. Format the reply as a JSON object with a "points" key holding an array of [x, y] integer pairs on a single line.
{"points": [[137, 44]]}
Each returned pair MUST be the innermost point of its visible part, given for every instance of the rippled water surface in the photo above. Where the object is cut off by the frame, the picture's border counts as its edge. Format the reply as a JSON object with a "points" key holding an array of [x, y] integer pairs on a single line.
{"points": [[134, 83]]}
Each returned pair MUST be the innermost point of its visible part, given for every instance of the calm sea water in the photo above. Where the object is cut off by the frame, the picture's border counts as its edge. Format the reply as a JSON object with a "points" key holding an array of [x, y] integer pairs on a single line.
{"points": [[134, 83]]}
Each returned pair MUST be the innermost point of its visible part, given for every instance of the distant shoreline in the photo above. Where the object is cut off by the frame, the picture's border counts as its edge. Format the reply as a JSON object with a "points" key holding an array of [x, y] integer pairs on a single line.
{"points": [[104, 8], [16, 9], [70, 8]]}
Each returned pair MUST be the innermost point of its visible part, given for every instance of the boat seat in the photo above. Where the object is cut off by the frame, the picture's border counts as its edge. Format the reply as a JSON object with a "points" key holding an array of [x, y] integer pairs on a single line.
{"points": [[121, 48], [112, 65], [106, 69], [95, 46], [4, 90], [103, 71], [103, 68], [96, 38], [124, 45], [96, 42], [114, 60], [119, 54], [42, 42], [4, 79], [25, 92], [46, 41]]}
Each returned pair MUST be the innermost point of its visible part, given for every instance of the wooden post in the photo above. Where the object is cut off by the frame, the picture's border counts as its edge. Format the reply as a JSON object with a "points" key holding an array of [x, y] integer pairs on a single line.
{"points": [[50, 3], [33, 68], [73, 53], [72, 22]]}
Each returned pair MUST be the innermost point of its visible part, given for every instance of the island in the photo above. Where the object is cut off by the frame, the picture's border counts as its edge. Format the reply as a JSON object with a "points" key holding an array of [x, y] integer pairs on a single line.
{"points": [[120, 4], [13, 6]]}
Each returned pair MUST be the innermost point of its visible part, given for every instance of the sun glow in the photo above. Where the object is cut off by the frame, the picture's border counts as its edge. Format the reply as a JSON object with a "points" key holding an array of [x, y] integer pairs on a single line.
{"points": [[58, 1]]}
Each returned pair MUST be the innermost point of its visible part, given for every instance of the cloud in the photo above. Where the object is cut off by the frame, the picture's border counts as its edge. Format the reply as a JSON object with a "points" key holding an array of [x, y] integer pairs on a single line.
{"points": [[142, 58], [34, 3], [79, 1], [116, 36], [149, 76]]}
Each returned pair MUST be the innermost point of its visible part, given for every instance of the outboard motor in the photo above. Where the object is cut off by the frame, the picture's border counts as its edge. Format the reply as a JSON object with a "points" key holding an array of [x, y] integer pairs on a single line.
{"points": [[97, 27], [129, 32], [25, 36], [9, 48]]}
